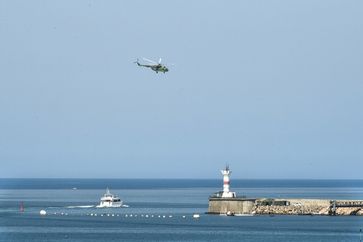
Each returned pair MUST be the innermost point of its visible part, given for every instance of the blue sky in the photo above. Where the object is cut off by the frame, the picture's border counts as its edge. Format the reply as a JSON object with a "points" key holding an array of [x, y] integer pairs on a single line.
{"points": [[274, 88]]}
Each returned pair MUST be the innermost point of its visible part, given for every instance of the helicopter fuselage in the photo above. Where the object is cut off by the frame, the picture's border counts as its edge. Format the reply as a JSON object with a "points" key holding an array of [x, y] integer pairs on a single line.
{"points": [[160, 68]]}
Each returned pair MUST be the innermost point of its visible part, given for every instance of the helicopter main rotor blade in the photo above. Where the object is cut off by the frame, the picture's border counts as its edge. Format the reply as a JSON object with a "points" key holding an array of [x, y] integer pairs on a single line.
{"points": [[170, 65], [150, 61]]}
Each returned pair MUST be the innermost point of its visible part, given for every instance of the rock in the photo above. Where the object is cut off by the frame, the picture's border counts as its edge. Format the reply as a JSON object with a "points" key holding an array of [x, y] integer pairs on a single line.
{"points": [[347, 211], [360, 212]]}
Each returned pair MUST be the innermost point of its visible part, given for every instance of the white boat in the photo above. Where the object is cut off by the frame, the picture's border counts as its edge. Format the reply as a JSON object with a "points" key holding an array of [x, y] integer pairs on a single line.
{"points": [[109, 201]]}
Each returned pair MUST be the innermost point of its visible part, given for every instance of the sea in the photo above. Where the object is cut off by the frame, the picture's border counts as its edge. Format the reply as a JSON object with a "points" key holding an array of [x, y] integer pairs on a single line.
{"points": [[162, 210]]}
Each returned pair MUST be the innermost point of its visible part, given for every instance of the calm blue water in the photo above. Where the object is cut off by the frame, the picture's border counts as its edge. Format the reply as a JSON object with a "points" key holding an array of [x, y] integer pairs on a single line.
{"points": [[171, 200]]}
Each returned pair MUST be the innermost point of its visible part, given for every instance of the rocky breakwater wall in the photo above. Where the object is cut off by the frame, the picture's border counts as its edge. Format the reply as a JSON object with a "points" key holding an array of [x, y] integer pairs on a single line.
{"points": [[308, 207]]}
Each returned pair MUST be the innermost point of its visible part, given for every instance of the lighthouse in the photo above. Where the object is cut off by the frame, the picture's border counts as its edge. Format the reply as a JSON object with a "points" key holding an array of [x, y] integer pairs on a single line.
{"points": [[226, 192]]}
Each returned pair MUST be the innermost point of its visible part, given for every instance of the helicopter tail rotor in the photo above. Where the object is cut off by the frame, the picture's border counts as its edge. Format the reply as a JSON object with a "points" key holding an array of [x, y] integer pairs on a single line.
{"points": [[137, 62]]}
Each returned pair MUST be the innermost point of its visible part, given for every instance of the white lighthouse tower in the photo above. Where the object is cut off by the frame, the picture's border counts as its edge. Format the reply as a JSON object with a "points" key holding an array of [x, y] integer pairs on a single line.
{"points": [[226, 192]]}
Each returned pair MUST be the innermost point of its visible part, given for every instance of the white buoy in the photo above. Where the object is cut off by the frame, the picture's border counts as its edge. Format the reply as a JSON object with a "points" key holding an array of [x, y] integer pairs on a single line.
{"points": [[183, 216], [43, 212], [196, 215]]}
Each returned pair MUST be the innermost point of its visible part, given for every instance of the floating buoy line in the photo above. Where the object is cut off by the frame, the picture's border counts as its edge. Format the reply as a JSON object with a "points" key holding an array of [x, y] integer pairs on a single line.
{"points": [[127, 215]]}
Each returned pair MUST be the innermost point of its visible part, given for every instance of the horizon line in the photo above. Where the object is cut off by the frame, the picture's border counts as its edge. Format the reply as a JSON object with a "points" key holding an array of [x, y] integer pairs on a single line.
{"points": [[154, 178]]}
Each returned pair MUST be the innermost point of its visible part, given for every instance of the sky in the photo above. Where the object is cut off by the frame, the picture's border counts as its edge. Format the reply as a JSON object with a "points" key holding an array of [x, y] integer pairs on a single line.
{"points": [[273, 88]]}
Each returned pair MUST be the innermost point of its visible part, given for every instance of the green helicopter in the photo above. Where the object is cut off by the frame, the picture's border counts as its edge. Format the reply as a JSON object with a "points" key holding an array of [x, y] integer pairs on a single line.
{"points": [[155, 66]]}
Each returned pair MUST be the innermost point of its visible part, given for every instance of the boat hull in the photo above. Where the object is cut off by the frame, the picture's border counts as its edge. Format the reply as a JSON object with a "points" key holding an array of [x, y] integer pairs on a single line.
{"points": [[109, 206]]}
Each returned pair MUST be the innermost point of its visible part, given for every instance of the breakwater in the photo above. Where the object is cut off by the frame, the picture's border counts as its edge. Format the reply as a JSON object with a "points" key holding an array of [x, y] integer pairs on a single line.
{"points": [[268, 206], [231, 206]]}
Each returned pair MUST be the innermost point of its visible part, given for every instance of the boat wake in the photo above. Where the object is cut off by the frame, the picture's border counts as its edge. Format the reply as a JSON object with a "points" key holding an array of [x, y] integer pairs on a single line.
{"points": [[82, 206], [95, 206]]}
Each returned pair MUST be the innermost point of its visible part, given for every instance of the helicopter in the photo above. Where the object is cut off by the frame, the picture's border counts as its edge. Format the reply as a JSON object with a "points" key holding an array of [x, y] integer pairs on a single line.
{"points": [[155, 66]]}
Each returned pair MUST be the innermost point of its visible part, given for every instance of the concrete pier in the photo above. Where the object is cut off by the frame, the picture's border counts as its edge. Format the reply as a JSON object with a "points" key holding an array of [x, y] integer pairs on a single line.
{"points": [[231, 206], [264, 206]]}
